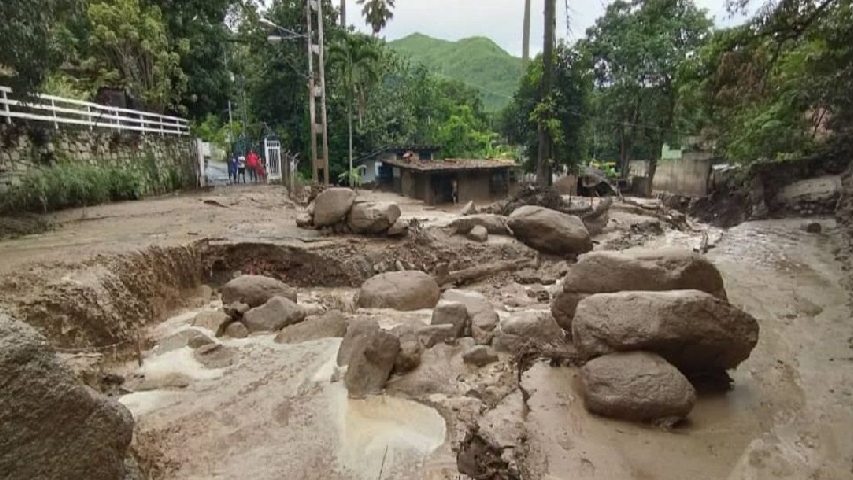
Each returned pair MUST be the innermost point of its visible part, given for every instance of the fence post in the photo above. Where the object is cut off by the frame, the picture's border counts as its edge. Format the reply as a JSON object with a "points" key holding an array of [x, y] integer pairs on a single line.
{"points": [[142, 123], [6, 107], [89, 118], [53, 111]]}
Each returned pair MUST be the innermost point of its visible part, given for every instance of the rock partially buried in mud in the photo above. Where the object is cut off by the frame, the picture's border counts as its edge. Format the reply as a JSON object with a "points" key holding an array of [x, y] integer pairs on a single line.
{"points": [[652, 270], [370, 364], [409, 357], [51, 425], [494, 224], [478, 234], [693, 330], [405, 291], [330, 324], [211, 320], [482, 315], [185, 338], [549, 231], [215, 356], [332, 205], [480, 356], [636, 386], [524, 330], [357, 331], [451, 313], [274, 315], [373, 217], [399, 229], [236, 330], [468, 209], [255, 290]]}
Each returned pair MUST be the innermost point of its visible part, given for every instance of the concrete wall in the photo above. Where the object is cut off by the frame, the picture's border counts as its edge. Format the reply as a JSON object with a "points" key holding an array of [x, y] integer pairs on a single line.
{"points": [[473, 186], [686, 176], [24, 148]]}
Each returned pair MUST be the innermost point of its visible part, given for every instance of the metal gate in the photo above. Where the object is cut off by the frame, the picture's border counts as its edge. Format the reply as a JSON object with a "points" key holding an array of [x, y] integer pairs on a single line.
{"points": [[272, 149]]}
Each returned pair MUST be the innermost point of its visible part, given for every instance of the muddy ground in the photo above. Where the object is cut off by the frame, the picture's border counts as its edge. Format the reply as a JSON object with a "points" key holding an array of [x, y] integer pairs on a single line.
{"points": [[110, 282]]}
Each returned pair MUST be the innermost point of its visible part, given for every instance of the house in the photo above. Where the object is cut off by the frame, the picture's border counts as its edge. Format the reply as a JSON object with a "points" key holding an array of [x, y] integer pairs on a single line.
{"points": [[433, 181], [372, 162]]}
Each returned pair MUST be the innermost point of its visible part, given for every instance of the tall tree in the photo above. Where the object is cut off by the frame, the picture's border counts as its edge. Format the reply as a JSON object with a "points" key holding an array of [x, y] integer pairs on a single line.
{"points": [[356, 58], [526, 33], [377, 13], [544, 159]]}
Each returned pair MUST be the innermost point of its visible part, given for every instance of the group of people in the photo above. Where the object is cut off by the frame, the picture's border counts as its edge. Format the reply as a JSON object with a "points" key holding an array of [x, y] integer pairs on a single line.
{"points": [[238, 165]]}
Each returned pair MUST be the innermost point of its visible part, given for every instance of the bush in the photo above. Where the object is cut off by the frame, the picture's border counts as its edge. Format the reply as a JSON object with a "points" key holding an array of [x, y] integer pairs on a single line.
{"points": [[69, 185]]}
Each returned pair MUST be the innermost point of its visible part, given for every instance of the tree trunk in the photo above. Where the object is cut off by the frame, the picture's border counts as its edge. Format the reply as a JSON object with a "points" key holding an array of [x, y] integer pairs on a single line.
{"points": [[344, 14], [543, 166], [349, 125], [526, 33]]}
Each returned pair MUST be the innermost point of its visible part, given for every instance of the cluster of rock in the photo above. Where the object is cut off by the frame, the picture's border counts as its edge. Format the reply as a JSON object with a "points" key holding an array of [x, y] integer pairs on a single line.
{"points": [[338, 210], [543, 229], [51, 425], [647, 321], [373, 354]]}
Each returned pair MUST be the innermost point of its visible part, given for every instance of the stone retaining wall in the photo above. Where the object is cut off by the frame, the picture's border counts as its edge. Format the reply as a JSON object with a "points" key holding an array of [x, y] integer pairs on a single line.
{"points": [[35, 146]]}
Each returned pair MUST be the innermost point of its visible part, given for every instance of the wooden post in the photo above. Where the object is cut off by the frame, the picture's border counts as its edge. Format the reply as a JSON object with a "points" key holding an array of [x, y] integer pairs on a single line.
{"points": [[6, 106]]}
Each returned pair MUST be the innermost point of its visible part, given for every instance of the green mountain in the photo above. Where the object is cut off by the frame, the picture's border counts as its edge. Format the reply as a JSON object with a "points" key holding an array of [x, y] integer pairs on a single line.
{"points": [[477, 61]]}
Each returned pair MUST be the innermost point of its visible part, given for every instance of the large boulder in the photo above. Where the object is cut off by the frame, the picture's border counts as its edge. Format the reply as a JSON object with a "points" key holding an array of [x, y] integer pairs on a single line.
{"points": [[255, 290], [330, 324], [213, 320], [405, 291], [637, 386], [481, 314], [494, 224], [523, 330], [274, 315], [693, 330], [370, 364], [549, 231], [332, 205], [51, 425], [655, 270], [373, 217]]}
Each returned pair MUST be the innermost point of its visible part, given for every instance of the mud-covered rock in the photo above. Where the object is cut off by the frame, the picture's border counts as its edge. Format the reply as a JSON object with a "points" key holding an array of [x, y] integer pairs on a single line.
{"points": [[357, 330], [452, 313], [653, 270], [213, 320], [274, 315], [693, 330], [255, 290], [523, 330], [330, 324], [236, 310], [373, 217], [478, 234], [549, 231], [636, 386], [332, 205], [185, 338], [399, 229], [480, 355], [468, 209], [409, 357], [236, 330], [481, 314], [215, 356], [494, 224], [51, 425], [405, 291], [370, 364], [431, 335]]}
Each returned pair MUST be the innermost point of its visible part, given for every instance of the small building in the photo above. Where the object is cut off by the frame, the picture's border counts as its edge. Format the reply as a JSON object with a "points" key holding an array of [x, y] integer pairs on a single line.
{"points": [[372, 162], [434, 181]]}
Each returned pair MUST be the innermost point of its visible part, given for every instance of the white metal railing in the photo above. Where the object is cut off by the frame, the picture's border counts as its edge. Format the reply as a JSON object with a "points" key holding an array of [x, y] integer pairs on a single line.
{"points": [[60, 110]]}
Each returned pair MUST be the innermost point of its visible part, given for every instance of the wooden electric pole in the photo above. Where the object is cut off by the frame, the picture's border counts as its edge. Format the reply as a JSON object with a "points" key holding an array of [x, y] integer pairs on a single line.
{"points": [[526, 33], [317, 91], [543, 161]]}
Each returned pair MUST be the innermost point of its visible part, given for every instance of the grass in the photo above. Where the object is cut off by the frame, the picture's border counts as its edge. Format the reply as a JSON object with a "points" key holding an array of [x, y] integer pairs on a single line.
{"points": [[69, 185]]}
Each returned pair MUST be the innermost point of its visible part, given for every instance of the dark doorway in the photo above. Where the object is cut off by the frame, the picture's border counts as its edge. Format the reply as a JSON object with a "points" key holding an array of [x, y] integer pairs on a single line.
{"points": [[442, 188]]}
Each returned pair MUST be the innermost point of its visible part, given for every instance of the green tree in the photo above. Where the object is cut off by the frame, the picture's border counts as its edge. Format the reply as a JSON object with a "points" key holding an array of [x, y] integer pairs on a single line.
{"points": [[356, 57], [635, 52], [377, 13], [463, 135]]}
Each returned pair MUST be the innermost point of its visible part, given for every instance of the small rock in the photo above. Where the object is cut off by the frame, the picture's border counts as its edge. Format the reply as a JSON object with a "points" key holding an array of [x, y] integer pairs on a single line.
{"points": [[235, 311], [185, 338], [212, 320], [452, 313], [236, 330], [812, 227], [255, 290], [330, 324], [468, 209], [274, 315], [409, 357], [432, 335], [478, 234], [637, 386], [482, 315], [480, 355]]}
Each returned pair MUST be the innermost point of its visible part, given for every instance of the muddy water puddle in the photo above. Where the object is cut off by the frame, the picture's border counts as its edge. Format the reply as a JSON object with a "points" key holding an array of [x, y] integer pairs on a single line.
{"points": [[277, 412]]}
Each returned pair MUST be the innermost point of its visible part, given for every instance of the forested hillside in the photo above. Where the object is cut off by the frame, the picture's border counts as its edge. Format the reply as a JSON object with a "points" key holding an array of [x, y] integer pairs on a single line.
{"points": [[476, 61]]}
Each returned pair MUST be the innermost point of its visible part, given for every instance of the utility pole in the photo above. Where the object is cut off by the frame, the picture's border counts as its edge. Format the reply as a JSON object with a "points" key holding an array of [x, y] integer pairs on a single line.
{"points": [[543, 164], [317, 90], [526, 33]]}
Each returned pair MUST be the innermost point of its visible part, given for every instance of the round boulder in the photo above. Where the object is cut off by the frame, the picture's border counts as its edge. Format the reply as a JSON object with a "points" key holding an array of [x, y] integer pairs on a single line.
{"points": [[405, 291], [549, 231], [332, 205], [636, 386], [274, 315], [255, 290], [373, 217]]}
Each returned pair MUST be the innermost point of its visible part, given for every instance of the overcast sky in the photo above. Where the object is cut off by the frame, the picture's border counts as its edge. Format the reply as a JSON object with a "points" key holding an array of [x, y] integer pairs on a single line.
{"points": [[500, 20]]}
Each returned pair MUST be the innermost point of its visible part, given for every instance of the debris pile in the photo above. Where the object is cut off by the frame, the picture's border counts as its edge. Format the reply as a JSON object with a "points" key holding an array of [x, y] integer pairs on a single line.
{"points": [[337, 209]]}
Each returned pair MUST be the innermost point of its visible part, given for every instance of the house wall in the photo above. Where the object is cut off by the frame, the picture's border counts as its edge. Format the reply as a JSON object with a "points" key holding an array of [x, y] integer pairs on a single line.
{"points": [[685, 176], [474, 186], [407, 183]]}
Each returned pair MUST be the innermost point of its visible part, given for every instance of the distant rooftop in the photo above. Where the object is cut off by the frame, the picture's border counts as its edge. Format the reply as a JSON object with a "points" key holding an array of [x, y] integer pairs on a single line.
{"points": [[451, 164], [398, 149]]}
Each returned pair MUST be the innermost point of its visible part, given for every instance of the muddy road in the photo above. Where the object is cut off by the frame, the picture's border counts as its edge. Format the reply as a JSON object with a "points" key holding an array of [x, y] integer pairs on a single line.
{"points": [[122, 280]]}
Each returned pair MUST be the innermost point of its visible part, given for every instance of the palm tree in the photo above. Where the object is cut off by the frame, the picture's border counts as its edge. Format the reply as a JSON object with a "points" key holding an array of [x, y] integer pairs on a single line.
{"points": [[358, 60], [377, 13], [526, 35]]}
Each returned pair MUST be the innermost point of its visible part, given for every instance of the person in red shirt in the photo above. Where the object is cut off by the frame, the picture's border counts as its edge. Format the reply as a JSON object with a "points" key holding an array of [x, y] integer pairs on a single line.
{"points": [[252, 164]]}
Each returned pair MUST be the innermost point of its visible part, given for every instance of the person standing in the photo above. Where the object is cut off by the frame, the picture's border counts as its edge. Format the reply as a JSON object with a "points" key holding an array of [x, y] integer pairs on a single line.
{"points": [[241, 168], [232, 168], [252, 162]]}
